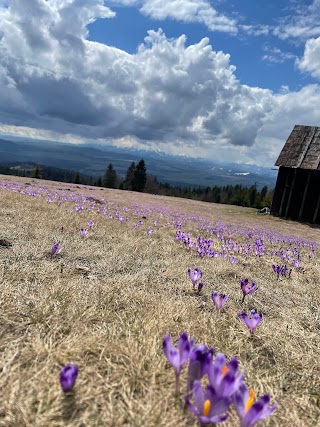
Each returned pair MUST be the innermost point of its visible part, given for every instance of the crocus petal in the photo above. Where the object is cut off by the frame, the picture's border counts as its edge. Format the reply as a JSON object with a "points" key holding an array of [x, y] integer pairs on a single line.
{"points": [[184, 346], [174, 359], [258, 411], [192, 408], [182, 341], [244, 317], [167, 346], [233, 364], [219, 404], [240, 398], [198, 396], [218, 419], [172, 354], [200, 361]]}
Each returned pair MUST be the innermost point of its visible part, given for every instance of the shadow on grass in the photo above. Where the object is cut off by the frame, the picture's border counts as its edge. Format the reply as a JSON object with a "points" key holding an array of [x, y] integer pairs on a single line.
{"points": [[70, 409]]}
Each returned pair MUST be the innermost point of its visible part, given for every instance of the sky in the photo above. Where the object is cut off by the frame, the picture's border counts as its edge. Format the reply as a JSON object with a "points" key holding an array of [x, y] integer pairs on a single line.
{"points": [[226, 80]]}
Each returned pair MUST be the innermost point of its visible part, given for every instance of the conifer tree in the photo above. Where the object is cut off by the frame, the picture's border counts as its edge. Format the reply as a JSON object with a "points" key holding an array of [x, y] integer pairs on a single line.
{"points": [[128, 180], [36, 173], [110, 178], [98, 183], [252, 194], [77, 178], [140, 177]]}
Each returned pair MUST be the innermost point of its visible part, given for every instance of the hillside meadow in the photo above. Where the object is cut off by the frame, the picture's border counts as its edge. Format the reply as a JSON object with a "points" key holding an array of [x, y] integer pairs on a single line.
{"points": [[109, 298]]}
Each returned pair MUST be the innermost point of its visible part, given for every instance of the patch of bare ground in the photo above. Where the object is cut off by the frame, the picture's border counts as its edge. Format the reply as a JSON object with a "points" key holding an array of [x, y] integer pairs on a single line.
{"points": [[110, 317]]}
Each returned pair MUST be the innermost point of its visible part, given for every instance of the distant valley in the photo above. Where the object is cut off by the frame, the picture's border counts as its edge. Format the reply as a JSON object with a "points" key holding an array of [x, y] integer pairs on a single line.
{"points": [[174, 170]]}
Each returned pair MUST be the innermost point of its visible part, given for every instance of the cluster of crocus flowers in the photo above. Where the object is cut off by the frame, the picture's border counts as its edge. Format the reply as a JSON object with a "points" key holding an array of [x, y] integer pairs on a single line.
{"points": [[56, 250], [84, 231], [195, 275], [247, 288], [68, 376], [225, 386], [251, 321], [281, 270]]}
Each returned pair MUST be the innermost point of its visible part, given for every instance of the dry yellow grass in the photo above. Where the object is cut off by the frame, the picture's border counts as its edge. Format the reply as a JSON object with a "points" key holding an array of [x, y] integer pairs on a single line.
{"points": [[111, 320]]}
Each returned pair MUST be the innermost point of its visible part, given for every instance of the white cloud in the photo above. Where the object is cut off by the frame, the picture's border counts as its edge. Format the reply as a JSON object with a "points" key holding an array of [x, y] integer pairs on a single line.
{"points": [[200, 11], [56, 84], [301, 24], [66, 82], [275, 55], [256, 30], [189, 11], [311, 58], [294, 108]]}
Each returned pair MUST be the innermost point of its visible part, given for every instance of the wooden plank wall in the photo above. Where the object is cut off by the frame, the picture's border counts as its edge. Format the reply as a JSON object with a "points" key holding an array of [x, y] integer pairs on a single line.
{"points": [[297, 195]]}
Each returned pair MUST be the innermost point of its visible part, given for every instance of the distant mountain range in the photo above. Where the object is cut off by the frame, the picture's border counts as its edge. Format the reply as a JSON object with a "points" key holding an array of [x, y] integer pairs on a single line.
{"points": [[92, 160]]}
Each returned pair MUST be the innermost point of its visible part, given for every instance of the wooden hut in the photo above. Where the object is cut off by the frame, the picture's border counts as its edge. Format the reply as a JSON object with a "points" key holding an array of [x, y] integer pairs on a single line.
{"points": [[297, 192]]}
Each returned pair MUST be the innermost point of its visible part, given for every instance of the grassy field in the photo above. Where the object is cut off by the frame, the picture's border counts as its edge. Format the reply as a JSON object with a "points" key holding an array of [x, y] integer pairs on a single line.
{"points": [[109, 298]]}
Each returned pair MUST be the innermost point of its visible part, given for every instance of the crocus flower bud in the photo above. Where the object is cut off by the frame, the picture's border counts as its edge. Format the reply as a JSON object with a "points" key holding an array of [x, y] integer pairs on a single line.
{"points": [[68, 376], [55, 250], [199, 363]]}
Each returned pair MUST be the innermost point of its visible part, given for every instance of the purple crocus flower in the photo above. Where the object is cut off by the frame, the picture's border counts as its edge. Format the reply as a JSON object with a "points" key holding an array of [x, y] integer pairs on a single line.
{"points": [[253, 321], [248, 288], [282, 270], [84, 231], [194, 275], [199, 363], [208, 407], [250, 412], [224, 377], [276, 269], [55, 250], [219, 300], [177, 356], [296, 264], [68, 376], [90, 223]]}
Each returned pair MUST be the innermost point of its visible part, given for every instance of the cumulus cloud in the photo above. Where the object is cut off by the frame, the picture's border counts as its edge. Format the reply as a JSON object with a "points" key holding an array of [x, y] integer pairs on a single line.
{"points": [[168, 95], [64, 81], [310, 62]]}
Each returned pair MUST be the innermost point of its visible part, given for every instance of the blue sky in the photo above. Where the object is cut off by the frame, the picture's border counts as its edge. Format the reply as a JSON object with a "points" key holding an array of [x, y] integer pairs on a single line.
{"points": [[225, 80], [256, 58]]}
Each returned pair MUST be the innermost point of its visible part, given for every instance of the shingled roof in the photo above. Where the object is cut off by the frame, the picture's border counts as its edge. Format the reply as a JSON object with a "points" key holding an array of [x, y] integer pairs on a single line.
{"points": [[302, 149]]}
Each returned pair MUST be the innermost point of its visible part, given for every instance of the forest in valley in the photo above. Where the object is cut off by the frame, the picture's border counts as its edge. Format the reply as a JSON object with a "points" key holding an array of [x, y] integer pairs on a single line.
{"points": [[137, 179]]}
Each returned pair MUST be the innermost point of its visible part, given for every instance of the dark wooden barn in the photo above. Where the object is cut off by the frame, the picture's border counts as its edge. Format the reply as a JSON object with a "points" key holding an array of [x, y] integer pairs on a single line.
{"points": [[297, 192]]}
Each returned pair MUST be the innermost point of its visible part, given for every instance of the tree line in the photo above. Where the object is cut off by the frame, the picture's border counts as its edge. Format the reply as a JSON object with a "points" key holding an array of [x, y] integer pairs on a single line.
{"points": [[137, 179]]}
